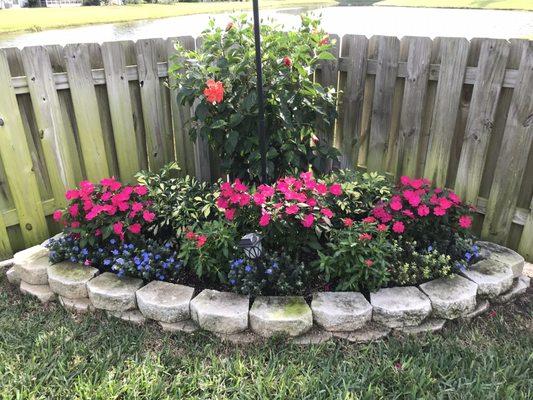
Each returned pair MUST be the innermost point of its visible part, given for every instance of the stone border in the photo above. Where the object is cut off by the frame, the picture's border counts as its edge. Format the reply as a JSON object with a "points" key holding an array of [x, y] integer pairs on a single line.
{"points": [[347, 315]]}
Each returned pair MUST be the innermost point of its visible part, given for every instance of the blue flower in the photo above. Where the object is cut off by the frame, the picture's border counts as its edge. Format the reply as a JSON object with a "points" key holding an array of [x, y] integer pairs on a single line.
{"points": [[233, 281], [75, 248], [107, 261], [120, 261], [168, 245], [73, 259], [120, 272], [115, 252], [84, 252], [468, 256], [430, 248], [275, 265], [137, 261], [113, 241], [268, 271], [248, 268], [157, 257]]}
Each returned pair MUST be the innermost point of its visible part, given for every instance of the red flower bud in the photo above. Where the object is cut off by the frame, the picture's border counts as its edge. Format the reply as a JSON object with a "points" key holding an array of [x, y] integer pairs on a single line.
{"points": [[287, 61]]}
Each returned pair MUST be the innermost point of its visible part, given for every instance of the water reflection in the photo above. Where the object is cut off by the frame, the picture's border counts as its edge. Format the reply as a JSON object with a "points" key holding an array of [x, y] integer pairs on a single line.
{"points": [[394, 21]]}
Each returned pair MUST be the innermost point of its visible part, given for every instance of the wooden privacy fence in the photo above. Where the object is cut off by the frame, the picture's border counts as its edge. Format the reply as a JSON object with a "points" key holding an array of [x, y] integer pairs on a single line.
{"points": [[456, 111]]}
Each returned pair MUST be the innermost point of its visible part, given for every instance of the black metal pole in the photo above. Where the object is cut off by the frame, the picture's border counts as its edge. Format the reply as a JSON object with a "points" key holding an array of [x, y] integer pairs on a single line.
{"points": [[260, 94]]}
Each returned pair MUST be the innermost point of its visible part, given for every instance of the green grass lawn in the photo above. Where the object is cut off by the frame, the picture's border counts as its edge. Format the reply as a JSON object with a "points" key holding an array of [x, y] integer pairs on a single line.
{"points": [[36, 19], [46, 354]]}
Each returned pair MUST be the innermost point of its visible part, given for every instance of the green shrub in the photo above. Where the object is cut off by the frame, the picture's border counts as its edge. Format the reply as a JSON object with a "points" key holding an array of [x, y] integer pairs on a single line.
{"points": [[358, 257], [180, 203], [219, 80], [208, 250]]}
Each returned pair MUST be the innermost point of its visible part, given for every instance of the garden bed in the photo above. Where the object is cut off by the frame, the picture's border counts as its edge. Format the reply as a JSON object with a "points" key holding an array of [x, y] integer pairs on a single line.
{"points": [[497, 278]]}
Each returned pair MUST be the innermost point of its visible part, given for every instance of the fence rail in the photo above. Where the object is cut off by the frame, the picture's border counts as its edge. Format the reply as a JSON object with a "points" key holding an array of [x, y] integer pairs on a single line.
{"points": [[458, 112]]}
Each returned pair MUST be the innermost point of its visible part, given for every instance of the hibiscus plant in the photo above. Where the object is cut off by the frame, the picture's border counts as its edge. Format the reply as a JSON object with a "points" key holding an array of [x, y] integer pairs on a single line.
{"points": [[219, 81]]}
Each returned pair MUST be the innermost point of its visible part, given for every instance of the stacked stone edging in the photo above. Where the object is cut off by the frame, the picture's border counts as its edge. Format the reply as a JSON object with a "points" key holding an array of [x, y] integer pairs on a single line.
{"points": [[350, 316]]}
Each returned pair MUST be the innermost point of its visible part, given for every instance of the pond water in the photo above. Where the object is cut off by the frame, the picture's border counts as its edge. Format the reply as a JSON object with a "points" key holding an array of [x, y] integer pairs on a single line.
{"points": [[395, 21]]}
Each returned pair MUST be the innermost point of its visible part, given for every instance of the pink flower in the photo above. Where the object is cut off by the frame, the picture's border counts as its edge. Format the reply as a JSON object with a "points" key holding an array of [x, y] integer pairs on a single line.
{"points": [[311, 202], [365, 236], [321, 188], [264, 220], [135, 228], [106, 196], [405, 180], [244, 199], [190, 235], [75, 224], [439, 211], [369, 262], [57, 215], [398, 227], [140, 190], [259, 198], [347, 222], [74, 210], [335, 189], [265, 190], [409, 213], [148, 216], [118, 228], [222, 203], [465, 221], [396, 203], [369, 220], [97, 232], [72, 194], [123, 206], [136, 207], [239, 186], [308, 220], [417, 183], [445, 203], [292, 209], [327, 212], [411, 197], [229, 213], [453, 197], [86, 187], [200, 241], [111, 183], [382, 227], [423, 210]]}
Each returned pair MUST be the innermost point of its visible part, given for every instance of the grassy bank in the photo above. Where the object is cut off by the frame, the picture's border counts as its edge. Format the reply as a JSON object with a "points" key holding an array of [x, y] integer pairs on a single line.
{"points": [[37, 19], [482, 4], [47, 354]]}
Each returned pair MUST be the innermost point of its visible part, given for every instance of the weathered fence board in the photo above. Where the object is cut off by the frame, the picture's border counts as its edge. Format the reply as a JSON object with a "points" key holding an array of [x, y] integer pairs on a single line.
{"points": [[158, 139], [414, 96], [452, 110], [114, 59], [354, 49], [18, 164], [48, 113], [388, 52], [86, 111], [492, 62], [453, 55], [513, 156]]}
